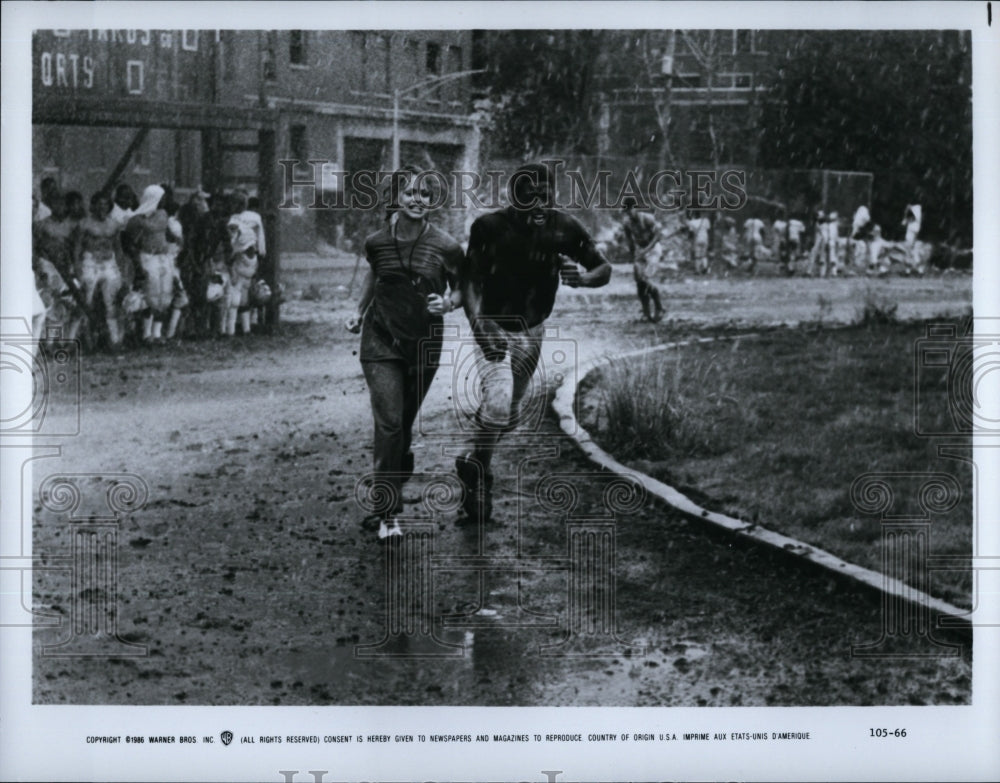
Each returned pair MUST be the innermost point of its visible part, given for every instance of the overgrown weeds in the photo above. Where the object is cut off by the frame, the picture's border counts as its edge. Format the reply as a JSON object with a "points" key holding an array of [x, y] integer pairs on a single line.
{"points": [[877, 310], [665, 404], [777, 428]]}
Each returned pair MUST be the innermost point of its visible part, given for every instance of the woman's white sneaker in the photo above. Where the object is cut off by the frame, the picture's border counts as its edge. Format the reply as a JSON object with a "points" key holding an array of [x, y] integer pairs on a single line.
{"points": [[389, 529]]}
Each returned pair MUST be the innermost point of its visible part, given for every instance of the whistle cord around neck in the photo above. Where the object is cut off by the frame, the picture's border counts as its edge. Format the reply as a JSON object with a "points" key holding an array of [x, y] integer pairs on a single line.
{"points": [[408, 267]]}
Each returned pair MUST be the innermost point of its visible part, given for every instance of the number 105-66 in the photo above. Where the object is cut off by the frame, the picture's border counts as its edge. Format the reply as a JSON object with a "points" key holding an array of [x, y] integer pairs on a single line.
{"points": [[887, 732]]}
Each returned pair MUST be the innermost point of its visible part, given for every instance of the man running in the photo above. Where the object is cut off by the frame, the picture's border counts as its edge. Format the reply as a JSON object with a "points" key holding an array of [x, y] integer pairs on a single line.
{"points": [[642, 235], [509, 282]]}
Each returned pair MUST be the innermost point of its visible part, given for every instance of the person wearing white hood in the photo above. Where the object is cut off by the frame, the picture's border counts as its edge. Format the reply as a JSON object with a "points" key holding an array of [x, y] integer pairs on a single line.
{"points": [[147, 232], [861, 231]]}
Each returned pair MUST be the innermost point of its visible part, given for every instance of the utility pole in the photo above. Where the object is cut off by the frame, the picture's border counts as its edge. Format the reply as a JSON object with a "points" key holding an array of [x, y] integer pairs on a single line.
{"points": [[667, 68], [426, 83]]}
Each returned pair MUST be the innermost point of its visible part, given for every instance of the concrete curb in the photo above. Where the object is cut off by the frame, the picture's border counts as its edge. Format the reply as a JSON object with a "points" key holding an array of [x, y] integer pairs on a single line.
{"points": [[564, 406]]}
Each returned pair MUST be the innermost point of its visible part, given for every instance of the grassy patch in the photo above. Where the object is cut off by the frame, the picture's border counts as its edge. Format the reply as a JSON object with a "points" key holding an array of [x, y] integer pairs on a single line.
{"points": [[877, 309], [775, 429]]}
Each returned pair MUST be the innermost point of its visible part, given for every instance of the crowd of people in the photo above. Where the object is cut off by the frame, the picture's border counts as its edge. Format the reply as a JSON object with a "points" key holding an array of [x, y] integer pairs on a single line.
{"points": [[818, 249], [144, 270], [123, 269], [162, 269]]}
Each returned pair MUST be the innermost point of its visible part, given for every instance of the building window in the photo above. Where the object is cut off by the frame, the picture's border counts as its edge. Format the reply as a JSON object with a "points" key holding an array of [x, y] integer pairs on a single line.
{"points": [[297, 143], [297, 47], [189, 40], [689, 81], [734, 81], [454, 59], [271, 56], [376, 63], [454, 90], [742, 41], [412, 61], [432, 58], [134, 72]]}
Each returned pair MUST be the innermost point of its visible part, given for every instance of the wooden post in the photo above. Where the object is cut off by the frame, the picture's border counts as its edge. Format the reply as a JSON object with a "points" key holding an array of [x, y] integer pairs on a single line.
{"points": [[269, 188]]}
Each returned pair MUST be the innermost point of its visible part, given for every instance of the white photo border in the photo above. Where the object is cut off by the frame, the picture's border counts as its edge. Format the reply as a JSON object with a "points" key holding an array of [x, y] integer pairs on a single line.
{"points": [[39, 742]]}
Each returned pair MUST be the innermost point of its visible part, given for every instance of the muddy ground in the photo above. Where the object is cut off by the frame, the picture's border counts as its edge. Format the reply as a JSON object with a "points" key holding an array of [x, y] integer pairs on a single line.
{"points": [[247, 578]]}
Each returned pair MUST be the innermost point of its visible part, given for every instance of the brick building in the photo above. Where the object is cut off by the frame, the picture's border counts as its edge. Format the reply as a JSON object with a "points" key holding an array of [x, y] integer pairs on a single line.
{"points": [[716, 80], [189, 107]]}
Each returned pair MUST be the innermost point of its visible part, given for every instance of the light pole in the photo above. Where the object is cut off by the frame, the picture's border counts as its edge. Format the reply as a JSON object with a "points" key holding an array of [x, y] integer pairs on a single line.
{"points": [[432, 82]]}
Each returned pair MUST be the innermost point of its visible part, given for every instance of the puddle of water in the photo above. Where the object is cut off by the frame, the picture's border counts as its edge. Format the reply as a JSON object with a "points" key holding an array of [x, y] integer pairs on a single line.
{"points": [[356, 660], [485, 666]]}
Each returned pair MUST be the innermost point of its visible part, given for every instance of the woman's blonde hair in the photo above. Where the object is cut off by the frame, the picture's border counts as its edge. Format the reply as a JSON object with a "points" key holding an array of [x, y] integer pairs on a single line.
{"points": [[392, 189]]}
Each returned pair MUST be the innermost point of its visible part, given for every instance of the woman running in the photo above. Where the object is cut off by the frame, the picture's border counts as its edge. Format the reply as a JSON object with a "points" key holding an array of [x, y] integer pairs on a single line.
{"points": [[412, 283]]}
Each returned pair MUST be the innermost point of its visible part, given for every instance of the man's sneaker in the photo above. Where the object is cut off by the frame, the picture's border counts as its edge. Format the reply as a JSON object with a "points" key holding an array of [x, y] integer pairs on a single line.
{"points": [[389, 529], [468, 473]]}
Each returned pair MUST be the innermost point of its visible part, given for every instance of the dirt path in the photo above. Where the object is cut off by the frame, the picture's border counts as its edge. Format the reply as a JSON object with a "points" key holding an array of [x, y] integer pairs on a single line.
{"points": [[248, 578]]}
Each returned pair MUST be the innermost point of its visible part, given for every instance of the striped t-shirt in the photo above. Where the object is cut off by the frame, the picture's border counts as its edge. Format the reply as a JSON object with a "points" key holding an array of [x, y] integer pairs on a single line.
{"points": [[406, 272]]}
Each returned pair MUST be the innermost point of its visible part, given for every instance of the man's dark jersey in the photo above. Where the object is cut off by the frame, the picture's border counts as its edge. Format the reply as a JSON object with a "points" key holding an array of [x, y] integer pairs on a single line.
{"points": [[405, 272], [515, 265]]}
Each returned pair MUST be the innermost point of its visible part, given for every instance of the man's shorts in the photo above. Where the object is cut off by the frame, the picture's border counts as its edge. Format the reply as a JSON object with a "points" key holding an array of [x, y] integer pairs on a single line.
{"points": [[93, 270], [239, 290], [159, 284]]}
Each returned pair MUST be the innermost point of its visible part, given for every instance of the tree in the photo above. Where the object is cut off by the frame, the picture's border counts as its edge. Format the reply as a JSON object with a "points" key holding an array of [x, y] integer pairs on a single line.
{"points": [[895, 103], [704, 45], [542, 90]]}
